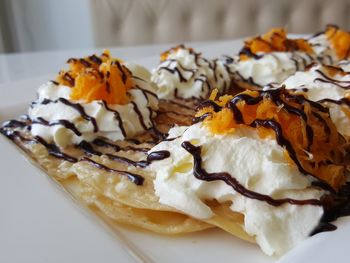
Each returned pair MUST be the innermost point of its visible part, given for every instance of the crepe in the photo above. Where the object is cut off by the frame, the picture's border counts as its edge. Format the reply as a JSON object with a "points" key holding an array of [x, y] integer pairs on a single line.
{"points": [[113, 196]]}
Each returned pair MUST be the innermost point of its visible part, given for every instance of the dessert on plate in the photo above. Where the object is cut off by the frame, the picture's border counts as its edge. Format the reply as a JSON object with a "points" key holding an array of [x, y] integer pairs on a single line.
{"points": [[95, 97], [99, 117], [271, 156], [175, 151], [183, 78], [186, 74], [269, 58], [331, 45], [273, 57]]}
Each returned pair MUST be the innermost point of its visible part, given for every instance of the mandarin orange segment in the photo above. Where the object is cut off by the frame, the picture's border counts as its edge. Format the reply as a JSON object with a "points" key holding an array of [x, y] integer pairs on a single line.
{"points": [[97, 78], [321, 157]]}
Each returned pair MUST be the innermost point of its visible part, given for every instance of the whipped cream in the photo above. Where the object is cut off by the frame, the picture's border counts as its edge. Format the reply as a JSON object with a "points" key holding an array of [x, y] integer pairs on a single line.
{"points": [[259, 165], [317, 88], [268, 68], [115, 122], [344, 65], [322, 49], [187, 74]]}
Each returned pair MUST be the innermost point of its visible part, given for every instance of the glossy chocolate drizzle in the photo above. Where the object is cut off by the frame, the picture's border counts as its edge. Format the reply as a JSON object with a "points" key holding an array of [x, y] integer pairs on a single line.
{"points": [[8, 130], [90, 150], [327, 79], [135, 178], [202, 174], [77, 106], [174, 67], [300, 60], [335, 204]]}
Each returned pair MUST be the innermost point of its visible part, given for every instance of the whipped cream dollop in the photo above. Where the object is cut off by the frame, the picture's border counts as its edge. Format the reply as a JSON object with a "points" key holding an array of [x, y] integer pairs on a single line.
{"points": [[185, 74], [318, 85], [321, 46], [56, 118], [268, 68], [259, 165]]}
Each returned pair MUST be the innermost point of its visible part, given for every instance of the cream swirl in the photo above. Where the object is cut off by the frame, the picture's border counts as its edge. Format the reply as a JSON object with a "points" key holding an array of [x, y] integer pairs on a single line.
{"points": [[268, 68], [59, 119], [259, 165], [184, 73]]}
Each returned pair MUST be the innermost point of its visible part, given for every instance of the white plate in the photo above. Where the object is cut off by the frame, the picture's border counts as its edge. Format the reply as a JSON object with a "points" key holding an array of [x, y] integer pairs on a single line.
{"points": [[38, 223]]}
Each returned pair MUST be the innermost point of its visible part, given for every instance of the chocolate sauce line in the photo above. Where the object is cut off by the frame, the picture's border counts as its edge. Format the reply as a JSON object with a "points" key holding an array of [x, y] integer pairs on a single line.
{"points": [[89, 150], [117, 116], [96, 59], [147, 91], [281, 140], [341, 101], [14, 124], [295, 111], [173, 71], [54, 150], [331, 82], [67, 124], [201, 174], [138, 78], [117, 148], [69, 79], [201, 118], [274, 95], [209, 103], [158, 134], [135, 178], [335, 205], [125, 160], [247, 51], [301, 99], [192, 71], [331, 79], [153, 156], [121, 70], [249, 80], [213, 68], [13, 135], [139, 115], [78, 107]]}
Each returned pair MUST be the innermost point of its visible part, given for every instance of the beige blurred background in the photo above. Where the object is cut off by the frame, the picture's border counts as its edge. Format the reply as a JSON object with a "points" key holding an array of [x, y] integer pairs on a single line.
{"points": [[35, 25]]}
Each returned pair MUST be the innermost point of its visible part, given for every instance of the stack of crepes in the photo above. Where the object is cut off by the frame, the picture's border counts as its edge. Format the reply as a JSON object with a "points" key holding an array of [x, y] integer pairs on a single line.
{"points": [[255, 144]]}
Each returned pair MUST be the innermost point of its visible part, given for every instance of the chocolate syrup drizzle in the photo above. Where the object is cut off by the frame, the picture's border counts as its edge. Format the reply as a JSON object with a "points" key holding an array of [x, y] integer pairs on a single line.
{"points": [[301, 61], [54, 150], [9, 129], [335, 204], [202, 174], [77, 106], [274, 95], [135, 178], [67, 124], [327, 79], [176, 68]]}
